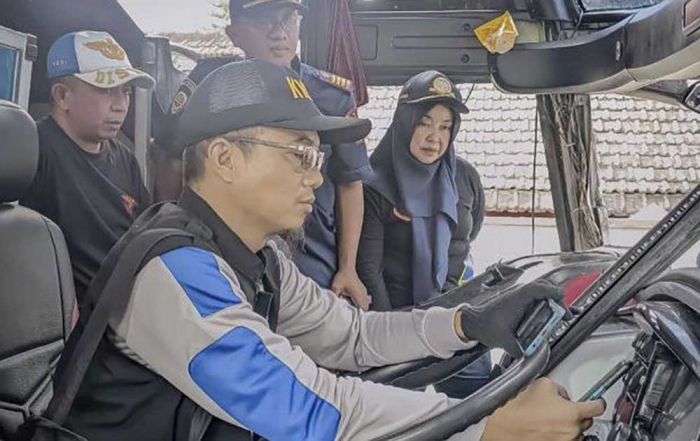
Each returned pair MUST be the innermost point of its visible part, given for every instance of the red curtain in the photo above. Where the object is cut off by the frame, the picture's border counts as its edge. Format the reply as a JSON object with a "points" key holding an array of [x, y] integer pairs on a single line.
{"points": [[344, 56]]}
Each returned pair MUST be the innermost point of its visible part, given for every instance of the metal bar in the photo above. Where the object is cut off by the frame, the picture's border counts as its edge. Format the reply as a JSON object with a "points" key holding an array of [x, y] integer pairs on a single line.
{"points": [[25, 73], [25, 82], [142, 130], [557, 177], [652, 255]]}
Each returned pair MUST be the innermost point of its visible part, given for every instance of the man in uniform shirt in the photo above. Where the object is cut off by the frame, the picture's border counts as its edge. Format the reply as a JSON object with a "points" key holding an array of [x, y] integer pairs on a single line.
{"points": [[88, 181], [269, 30], [193, 342]]}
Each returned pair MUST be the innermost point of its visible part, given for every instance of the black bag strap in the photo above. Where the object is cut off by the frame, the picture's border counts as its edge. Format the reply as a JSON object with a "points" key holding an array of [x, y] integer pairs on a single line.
{"points": [[272, 282], [113, 297], [44, 429], [109, 294]]}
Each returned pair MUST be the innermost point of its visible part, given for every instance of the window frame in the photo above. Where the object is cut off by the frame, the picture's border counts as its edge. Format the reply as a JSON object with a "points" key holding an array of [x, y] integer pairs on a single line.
{"points": [[25, 45]]}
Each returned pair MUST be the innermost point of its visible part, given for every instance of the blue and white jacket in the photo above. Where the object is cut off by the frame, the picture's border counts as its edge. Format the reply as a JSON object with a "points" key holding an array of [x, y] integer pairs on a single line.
{"points": [[189, 321]]}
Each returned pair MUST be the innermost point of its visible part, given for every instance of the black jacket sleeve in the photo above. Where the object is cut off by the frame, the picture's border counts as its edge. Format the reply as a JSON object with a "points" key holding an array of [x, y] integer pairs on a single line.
{"points": [[479, 205], [470, 213], [370, 253]]}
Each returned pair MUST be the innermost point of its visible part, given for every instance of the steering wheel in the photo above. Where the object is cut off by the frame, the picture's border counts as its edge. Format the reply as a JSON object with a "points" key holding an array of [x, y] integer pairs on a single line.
{"points": [[481, 403], [420, 373]]}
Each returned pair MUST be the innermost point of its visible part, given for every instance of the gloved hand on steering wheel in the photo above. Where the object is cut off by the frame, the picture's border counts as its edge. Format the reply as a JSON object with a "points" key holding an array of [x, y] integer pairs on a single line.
{"points": [[494, 321]]}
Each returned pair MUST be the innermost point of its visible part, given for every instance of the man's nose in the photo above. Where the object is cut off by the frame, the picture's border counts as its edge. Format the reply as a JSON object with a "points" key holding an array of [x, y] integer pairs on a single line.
{"points": [[312, 178]]}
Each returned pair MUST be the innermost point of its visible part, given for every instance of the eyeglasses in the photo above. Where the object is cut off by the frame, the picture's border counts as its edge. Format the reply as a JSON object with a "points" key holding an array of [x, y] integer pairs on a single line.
{"points": [[269, 23], [311, 157]]}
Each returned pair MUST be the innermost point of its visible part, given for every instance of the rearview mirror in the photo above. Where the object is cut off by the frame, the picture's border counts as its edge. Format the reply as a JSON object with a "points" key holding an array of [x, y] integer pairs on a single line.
{"points": [[692, 98]]}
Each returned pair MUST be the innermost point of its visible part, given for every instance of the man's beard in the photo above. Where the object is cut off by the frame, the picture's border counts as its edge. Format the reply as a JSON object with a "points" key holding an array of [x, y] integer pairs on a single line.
{"points": [[290, 241]]}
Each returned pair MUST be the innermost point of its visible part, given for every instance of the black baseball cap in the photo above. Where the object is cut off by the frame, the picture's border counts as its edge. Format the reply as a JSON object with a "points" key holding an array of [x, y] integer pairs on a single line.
{"points": [[432, 86], [246, 7], [258, 93]]}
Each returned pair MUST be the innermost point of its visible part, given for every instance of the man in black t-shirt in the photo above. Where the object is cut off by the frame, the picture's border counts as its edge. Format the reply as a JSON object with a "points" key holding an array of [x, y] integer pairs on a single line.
{"points": [[88, 181]]}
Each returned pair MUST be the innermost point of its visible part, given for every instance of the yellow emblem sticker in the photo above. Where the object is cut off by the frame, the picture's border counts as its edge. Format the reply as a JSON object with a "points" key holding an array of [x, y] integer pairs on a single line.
{"points": [[108, 48], [499, 35]]}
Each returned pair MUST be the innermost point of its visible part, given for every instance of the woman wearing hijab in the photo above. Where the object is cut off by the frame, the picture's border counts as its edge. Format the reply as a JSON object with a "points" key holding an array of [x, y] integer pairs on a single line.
{"points": [[423, 207], [418, 220]]}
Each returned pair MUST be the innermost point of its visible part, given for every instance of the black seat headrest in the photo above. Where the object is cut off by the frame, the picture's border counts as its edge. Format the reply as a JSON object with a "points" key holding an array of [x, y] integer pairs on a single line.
{"points": [[19, 151]]}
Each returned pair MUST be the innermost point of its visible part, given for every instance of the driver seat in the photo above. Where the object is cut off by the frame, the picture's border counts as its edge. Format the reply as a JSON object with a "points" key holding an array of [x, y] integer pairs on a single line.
{"points": [[37, 298]]}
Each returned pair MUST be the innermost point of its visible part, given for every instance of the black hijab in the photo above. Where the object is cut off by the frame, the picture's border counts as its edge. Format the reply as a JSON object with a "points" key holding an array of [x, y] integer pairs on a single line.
{"points": [[426, 192]]}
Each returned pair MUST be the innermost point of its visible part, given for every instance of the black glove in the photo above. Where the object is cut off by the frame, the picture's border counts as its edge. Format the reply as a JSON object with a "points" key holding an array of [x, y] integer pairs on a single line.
{"points": [[494, 321]]}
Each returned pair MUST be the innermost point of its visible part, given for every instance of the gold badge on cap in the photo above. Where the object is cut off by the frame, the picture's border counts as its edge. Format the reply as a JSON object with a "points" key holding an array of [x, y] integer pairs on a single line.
{"points": [[179, 103], [442, 86], [108, 48]]}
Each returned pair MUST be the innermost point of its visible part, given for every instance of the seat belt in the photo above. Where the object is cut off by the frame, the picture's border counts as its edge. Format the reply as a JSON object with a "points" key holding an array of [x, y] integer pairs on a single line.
{"points": [[112, 297]]}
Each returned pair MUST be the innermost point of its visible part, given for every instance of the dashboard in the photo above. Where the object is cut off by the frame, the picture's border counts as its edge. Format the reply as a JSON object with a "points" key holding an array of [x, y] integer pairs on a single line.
{"points": [[661, 391]]}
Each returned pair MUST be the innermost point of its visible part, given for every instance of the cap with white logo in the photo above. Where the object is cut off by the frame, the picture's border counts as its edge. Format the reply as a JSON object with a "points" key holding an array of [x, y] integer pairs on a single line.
{"points": [[244, 7], [96, 58]]}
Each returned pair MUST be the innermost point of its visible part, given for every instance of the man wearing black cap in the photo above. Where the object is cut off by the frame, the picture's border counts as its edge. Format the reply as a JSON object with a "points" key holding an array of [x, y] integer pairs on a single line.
{"points": [[193, 340], [269, 30]]}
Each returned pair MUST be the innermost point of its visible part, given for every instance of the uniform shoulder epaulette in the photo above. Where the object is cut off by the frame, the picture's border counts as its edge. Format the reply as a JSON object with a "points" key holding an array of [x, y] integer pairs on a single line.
{"points": [[334, 80]]}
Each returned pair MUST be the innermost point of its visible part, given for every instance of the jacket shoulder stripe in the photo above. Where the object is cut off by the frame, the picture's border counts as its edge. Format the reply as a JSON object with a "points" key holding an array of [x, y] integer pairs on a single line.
{"points": [[198, 274], [261, 392], [332, 79]]}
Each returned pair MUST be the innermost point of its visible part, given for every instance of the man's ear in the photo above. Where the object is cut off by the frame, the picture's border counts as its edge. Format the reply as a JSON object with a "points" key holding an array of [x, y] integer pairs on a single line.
{"points": [[223, 159], [60, 95]]}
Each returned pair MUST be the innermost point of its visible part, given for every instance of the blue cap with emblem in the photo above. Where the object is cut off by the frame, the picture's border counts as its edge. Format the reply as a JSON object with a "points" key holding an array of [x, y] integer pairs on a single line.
{"points": [[96, 58], [258, 93]]}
